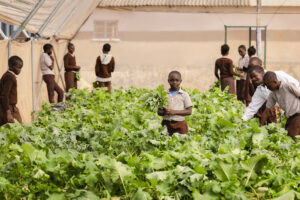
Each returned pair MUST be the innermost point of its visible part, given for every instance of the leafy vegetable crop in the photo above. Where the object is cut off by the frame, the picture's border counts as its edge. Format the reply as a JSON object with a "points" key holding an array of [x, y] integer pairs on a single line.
{"points": [[110, 146]]}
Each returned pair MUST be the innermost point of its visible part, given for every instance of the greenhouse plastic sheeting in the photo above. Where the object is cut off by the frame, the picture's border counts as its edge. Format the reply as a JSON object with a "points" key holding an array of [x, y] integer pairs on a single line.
{"points": [[67, 15]]}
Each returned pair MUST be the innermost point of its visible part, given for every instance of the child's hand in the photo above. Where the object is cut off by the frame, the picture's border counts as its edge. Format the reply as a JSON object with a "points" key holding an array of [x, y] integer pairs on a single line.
{"points": [[161, 111], [9, 117], [170, 112], [242, 75]]}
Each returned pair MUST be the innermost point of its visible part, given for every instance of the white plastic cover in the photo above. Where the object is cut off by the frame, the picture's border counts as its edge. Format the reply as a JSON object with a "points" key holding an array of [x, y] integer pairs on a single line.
{"points": [[68, 15]]}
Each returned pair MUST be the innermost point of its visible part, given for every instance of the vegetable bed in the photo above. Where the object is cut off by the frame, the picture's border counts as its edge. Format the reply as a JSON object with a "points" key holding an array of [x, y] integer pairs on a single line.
{"points": [[112, 146]]}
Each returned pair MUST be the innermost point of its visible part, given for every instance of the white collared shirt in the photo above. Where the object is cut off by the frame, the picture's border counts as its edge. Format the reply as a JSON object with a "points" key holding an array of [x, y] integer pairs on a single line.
{"points": [[45, 62], [244, 62], [179, 101], [12, 73], [262, 93]]}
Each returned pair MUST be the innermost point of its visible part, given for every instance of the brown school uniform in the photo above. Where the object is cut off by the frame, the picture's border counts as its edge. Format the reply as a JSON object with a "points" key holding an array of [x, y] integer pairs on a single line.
{"points": [[177, 123], [288, 98], [8, 97], [225, 66], [249, 90], [104, 71], [70, 70], [240, 84]]}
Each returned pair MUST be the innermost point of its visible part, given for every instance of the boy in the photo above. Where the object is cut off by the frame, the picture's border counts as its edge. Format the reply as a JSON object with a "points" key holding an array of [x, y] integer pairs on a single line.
{"points": [[179, 105], [105, 65], [287, 95], [225, 65], [70, 68], [47, 65], [242, 66], [257, 105], [8, 92]]}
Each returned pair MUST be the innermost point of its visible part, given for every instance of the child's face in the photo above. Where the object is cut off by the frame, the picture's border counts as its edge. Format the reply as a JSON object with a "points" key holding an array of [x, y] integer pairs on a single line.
{"points": [[16, 68], [257, 78], [71, 48], [174, 81], [49, 51], [271, 85], [242, 52]]}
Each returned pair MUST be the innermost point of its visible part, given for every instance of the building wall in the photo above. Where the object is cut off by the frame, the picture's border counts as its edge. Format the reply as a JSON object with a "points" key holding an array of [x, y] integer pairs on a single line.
{"points": [[154, 43]]}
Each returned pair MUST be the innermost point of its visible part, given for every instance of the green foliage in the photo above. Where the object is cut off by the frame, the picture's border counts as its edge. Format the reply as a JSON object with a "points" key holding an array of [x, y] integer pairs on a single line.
{"points": [[112, 146]]}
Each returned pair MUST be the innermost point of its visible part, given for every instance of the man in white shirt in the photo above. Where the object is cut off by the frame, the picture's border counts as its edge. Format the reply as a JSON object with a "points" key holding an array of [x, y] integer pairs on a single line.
{"points": [[262, 92], [47, 65], [242, 67]]}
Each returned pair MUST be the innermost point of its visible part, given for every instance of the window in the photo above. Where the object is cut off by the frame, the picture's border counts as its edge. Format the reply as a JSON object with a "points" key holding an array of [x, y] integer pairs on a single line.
{"points": [[7, 29], [105, 31]]}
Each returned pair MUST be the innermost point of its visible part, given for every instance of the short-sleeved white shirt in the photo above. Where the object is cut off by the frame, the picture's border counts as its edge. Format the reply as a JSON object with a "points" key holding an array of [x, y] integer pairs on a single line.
{"points": [[179, 101], [45, 62]]}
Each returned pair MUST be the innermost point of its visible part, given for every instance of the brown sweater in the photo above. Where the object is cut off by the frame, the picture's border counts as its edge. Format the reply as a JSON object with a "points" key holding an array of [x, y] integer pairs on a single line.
{"points": [[70, 63], [225, 66], [102, 70], [8, 90]]}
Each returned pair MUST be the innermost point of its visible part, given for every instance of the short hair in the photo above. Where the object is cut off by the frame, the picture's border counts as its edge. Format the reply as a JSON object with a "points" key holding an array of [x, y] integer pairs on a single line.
{"points": [[242, 47], [106, 47], [251, 51], [174, 72], [270, 76], [47, 47], [15, 61], [70, 44], [256, 68], [224, 49], [255, 61]]}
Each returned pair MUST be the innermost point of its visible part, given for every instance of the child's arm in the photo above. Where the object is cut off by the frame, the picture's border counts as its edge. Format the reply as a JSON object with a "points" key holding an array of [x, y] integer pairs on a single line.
{"points": [[187, 111], [233, 72], [216, 72], [270, 103], [97, 66], [264, 117], [5, 99], [112, 65]]}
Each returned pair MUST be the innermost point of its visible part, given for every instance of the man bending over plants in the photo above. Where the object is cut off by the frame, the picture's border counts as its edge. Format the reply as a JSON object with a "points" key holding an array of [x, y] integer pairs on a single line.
{"points": [[287, 95], [179, 105]]}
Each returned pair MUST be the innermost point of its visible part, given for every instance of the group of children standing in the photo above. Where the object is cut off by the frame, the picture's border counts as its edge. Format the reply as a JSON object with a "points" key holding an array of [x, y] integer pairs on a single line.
{"points": [[262, 92], [258, 90], [8, 84]]}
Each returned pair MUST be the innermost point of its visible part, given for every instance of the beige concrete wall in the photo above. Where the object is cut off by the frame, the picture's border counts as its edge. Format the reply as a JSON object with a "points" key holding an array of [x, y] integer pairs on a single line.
{"points": [[154, 43]]}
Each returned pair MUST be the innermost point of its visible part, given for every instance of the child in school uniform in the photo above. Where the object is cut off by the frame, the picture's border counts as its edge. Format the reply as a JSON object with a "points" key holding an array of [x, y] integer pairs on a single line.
{"points": [[225, 66], [105, 65], [179, 105], [287, 95], [70, 68], [242, 67], [8, 92], [47, 65]]}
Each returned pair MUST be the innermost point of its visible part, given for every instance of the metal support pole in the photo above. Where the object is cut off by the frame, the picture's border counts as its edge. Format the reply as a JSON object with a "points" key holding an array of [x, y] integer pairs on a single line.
{"points": [[9, 48], [32, 76], [25, 33], [265, 49], [258, 29], [225, 34], [250, 36], [59, 71], [47, 21], [28, 18], [61, 66]]}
